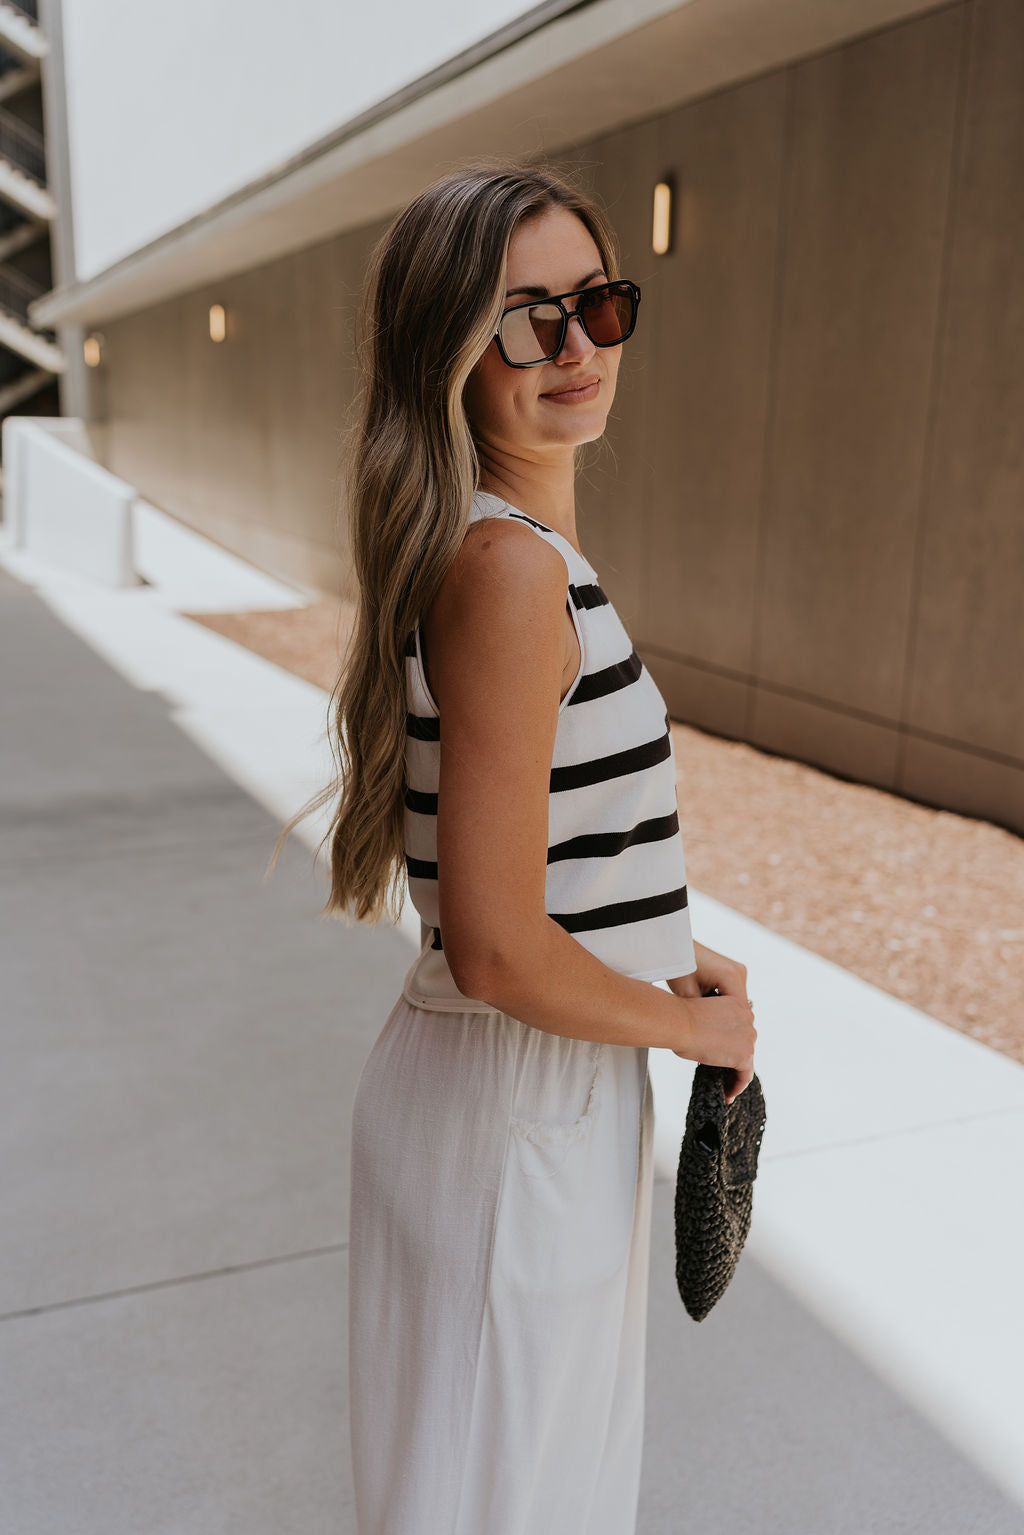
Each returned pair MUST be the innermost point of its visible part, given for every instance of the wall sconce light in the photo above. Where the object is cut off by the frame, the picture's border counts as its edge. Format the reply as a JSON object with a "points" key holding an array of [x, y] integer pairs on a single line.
{"points": [[218, 322], [661, 229], [92, 350]]}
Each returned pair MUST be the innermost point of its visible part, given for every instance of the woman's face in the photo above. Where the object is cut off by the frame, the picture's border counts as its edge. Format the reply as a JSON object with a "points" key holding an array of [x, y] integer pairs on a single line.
{"points": [[530, 411]]}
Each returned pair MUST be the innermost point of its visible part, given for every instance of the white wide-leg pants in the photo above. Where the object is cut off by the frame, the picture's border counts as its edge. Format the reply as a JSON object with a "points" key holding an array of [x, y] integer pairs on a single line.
{"points": [[499, 1255]]}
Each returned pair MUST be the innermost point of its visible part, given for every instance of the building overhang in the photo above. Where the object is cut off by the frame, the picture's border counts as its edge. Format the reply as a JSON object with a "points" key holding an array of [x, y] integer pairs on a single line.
{"points": [[565, 72]]}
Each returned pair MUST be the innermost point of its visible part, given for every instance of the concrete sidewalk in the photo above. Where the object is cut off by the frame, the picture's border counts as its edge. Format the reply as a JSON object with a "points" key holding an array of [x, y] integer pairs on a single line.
{"points": [[182, 1044]]}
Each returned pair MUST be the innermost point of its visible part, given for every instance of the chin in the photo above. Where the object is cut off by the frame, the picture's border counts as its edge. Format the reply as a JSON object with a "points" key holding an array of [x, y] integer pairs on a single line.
{"points": [[588, 435], [576, 433]]}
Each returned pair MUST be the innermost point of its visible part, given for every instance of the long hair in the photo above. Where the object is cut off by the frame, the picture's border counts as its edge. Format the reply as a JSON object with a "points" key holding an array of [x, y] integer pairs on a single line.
{"points": [[432, 300]]}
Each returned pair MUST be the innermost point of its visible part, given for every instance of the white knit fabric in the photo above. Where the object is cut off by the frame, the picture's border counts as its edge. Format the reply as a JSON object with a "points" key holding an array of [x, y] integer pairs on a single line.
{"points": [[616, 876]]}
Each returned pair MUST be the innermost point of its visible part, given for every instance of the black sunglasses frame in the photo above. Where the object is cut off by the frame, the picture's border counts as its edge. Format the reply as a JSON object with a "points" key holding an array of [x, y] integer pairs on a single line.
{"points": [[570, 314]]}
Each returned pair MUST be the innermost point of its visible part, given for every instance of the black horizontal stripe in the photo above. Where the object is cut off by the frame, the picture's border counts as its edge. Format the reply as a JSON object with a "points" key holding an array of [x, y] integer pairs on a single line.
{"points": [[621, 912], [410, 644], [423, 804], [608, 844], [616, 765], [589, 595], [423, 727], [608, 680]]}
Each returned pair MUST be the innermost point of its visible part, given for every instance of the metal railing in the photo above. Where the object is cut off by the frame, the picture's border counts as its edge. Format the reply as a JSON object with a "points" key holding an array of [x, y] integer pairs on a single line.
{"points": [[10, 63], [28, 8], [23, 146], [16, 293]]}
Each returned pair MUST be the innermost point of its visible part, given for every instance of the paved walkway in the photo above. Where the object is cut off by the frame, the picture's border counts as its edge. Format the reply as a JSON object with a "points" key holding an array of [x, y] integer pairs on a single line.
{"points": [[181, 1044]]}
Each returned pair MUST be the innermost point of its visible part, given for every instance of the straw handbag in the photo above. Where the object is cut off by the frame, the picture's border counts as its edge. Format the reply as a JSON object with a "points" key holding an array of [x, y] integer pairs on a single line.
{"points": [[715, 1185]]}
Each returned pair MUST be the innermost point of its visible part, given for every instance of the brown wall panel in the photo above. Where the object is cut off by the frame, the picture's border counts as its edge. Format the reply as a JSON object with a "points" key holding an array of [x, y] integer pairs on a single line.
{"points": [[831, 738], [713, 700], [611, 492], [241, 439], [967, 781], [968, 656], [865, 212], [715, 290]]}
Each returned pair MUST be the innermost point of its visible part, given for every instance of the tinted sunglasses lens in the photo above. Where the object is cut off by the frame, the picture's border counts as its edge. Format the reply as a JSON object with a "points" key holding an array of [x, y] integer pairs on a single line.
{"points": [[530, 333], [608, 314]]}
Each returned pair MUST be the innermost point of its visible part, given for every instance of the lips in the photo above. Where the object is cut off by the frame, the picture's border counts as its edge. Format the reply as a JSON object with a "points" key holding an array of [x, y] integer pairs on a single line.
{"points": [[576, 387]]}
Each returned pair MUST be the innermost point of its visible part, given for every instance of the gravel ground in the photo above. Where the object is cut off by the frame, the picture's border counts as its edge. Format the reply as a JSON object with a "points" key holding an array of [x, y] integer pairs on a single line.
{"points": [[860, 876]]}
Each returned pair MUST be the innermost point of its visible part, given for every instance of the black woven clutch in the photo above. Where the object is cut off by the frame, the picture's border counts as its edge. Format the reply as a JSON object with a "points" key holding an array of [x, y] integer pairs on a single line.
{"points": [[714, 1185]]}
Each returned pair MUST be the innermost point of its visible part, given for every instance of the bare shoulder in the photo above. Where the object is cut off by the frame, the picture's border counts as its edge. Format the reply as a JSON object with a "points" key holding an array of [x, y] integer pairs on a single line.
{"points": [[504, 575], [500, 605], [507, 558]]}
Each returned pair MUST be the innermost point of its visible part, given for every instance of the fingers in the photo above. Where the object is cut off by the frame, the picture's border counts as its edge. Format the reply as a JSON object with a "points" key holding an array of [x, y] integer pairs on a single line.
{"points": [[742, 1081]]}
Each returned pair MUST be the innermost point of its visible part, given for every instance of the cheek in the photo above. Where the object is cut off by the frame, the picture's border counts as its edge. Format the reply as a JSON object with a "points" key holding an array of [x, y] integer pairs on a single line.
{"points": [[494, 393]]}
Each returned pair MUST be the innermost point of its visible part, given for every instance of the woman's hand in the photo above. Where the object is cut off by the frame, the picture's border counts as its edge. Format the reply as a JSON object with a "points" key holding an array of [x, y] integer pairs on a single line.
{"points": [[734, 1031], [714, 971]]}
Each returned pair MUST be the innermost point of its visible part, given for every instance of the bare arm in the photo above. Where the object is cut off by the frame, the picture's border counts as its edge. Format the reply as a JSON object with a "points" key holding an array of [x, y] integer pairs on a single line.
{"points": [[495, 653]]}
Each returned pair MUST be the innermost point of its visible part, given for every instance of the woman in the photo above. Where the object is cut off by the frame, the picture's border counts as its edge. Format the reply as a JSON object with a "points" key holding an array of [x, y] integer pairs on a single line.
{"points": [[502, 745]]}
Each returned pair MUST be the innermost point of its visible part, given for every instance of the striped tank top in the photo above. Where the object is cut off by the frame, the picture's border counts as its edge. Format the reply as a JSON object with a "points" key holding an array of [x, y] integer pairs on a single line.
{"points": [[616, 875]]}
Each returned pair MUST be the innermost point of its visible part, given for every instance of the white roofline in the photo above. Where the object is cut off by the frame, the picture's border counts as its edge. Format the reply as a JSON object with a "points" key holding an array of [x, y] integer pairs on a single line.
{"points": [[564, 72]]}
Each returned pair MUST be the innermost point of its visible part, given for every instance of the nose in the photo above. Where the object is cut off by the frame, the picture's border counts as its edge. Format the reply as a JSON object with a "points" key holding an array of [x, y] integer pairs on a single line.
{"points": [[577, 343]]}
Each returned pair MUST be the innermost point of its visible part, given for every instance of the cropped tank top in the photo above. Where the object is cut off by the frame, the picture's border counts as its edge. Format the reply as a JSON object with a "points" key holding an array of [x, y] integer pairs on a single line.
{"points": [[616, 873]]}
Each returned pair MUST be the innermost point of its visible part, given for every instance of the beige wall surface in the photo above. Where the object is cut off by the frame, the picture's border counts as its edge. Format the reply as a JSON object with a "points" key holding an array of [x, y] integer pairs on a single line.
{"points": [[809, 506], [243, 439]]}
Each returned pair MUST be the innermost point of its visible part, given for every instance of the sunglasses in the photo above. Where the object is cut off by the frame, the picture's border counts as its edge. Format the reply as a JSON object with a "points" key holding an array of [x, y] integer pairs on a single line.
{"points": [[535, 332]]}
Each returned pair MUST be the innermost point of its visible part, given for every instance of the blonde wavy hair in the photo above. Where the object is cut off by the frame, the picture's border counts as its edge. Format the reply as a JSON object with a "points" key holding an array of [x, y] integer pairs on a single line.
{"points": [[432, 299]]}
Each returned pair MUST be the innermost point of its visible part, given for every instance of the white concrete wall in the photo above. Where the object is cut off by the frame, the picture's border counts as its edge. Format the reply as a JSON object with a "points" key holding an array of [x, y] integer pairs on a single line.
{"points": [[172, 107], [63, 509]]}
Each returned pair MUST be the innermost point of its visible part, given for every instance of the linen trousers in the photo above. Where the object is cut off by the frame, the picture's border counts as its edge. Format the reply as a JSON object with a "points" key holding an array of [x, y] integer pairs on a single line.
{"points": [[498, 1278]]}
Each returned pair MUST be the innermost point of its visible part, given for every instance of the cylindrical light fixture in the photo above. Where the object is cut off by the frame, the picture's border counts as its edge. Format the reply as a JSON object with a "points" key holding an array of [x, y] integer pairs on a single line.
{"points": [[92, 350], [218, 322], [661, 227]]}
